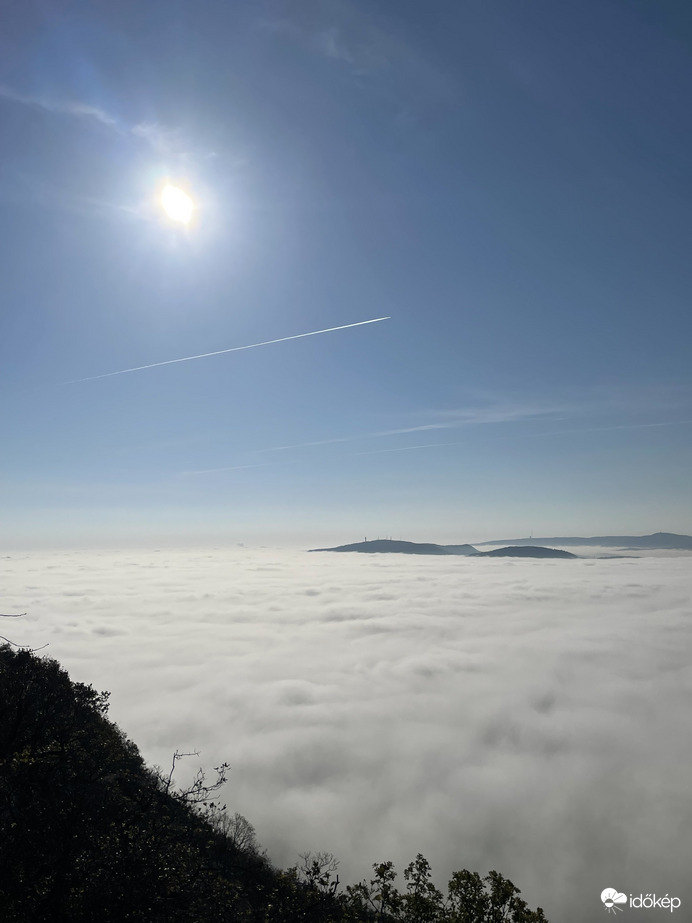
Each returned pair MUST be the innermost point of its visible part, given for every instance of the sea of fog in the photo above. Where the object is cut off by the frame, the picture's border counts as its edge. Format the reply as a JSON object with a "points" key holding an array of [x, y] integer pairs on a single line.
{"points": [[529, 716]]}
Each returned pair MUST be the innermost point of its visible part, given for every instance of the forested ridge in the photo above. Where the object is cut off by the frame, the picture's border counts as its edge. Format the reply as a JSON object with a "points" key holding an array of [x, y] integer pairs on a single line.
{"points": [[89, 833]]}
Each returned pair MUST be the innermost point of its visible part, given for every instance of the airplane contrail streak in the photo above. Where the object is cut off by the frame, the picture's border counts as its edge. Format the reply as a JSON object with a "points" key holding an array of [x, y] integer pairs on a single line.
{"points": [[232, 349], [407, 448]]}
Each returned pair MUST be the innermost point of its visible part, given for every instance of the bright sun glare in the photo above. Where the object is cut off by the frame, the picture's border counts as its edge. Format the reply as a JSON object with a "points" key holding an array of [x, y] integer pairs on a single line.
{"points": [[177, 204]]}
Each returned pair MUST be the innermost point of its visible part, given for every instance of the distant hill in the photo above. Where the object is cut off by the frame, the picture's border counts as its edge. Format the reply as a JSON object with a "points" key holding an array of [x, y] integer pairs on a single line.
{"points": [[525, 551], [523, 547], [388, 546], [658, 540], [460, 549]]}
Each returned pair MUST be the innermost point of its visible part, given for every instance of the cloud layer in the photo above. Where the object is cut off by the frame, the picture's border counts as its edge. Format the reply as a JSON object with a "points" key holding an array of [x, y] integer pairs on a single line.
{"points": [[528, 716]]}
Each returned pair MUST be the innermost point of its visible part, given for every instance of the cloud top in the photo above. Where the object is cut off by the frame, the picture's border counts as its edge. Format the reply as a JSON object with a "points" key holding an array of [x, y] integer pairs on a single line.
{"points": [[378, 707]]}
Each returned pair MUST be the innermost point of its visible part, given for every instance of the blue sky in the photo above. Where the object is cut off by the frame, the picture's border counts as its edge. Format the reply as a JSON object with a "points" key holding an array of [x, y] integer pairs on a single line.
{"points": [[507, 182]]}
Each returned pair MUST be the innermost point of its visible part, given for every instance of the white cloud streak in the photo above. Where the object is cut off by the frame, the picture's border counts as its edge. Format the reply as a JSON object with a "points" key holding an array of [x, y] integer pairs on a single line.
{"points": [[378, 706], [232, 349], [404, 448], [607, 429], [224, 468], [162, 139], [454, 419], [60, 106], [430, 445], [235, 468], [498, 412], [457, 419], [408, 448]]}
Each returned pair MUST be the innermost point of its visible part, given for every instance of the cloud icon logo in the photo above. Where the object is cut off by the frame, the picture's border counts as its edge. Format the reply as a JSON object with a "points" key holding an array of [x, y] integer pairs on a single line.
{"points": [[611, 897]]}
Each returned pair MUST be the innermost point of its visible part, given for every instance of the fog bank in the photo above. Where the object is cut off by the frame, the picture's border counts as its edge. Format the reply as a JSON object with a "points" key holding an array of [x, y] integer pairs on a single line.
{"points": [[524, 715]]}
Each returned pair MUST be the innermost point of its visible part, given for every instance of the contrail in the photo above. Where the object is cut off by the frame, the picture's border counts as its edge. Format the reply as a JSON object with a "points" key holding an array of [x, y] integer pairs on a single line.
{"points": [[407, 448], [232, 349], [607, 429]]}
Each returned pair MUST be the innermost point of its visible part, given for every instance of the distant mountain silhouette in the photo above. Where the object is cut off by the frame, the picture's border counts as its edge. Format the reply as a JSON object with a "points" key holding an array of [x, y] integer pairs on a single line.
{"points": [[522, 547], [658, 540], [387, 545], [460, 549], [525, 551]]}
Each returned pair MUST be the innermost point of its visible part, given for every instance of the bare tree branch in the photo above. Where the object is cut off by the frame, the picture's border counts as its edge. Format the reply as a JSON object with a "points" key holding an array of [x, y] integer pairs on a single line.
{"points": [[21, 647]]}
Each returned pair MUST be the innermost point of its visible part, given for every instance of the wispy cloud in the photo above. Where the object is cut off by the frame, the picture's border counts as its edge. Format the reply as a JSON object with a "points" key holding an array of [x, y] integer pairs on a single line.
{"points": [[409, 448], [362, 43], [232, 349], [607, 429], [497, 413], [167, 141], [432, 445], [306, 445], [331, 44], [61, 106], [362, 56], [226, 468], [447, 419], [474, 416], [160, 138], [163, 139], [560, 432], [404, 448]]}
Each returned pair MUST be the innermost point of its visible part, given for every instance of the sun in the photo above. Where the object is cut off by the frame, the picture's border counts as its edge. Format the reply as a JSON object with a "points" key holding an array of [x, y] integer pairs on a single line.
{"points": [[177, 204]]}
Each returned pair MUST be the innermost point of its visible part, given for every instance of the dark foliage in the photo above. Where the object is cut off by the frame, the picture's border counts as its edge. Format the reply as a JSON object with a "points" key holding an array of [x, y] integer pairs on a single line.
{"points": [[88, 832]]}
